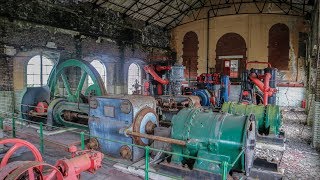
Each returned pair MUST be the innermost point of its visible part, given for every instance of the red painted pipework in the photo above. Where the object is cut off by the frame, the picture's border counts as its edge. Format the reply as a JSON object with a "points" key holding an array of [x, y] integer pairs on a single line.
{"points": [[146, 86], [86, 161], [159, 89], [163, 68], [150, 69], [263, 86]]}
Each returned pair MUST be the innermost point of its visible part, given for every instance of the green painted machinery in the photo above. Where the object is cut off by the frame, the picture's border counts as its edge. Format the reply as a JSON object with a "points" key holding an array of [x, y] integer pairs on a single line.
{"points": [[85, 69], [66, 94], [220, 137], [268, 117]]}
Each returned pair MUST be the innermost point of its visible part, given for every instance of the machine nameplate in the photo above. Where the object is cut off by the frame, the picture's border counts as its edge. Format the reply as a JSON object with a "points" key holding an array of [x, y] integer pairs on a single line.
{"points": [[109, 111]]}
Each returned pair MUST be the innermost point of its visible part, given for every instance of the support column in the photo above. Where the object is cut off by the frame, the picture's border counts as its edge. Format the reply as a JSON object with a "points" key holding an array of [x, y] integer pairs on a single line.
{"points": [[119, 71]]}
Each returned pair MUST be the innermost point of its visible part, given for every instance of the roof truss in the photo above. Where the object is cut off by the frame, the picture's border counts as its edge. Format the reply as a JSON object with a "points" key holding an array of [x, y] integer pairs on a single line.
{"points": [[171, 13]]}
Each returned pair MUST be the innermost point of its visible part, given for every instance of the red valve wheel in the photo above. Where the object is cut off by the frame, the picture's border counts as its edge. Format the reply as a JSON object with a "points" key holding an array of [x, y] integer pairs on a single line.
{"points": [[18, 143]]}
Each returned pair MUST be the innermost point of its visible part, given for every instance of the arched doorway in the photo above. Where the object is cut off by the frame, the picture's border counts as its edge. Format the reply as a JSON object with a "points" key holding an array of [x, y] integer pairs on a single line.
{"points": [[190, 55], [231, 55], [278, 47]]}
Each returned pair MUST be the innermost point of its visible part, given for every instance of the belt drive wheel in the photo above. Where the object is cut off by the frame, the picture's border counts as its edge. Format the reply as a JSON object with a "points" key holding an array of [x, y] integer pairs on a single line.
{"points": [[86, 69], [145, 120], [19, 143]]}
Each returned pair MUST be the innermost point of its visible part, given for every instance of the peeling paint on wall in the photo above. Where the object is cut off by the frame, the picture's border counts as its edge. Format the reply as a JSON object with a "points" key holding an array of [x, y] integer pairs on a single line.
{"points": [[292, 63]]}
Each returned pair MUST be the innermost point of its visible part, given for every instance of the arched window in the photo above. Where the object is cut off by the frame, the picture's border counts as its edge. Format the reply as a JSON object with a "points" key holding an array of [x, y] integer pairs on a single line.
{"points": [[279, 47], [101, 68], [38, 75], [190, 55], [134, 75]]}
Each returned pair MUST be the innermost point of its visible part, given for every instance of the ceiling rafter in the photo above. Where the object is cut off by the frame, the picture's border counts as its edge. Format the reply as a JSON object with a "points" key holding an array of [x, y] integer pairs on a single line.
{"points": [[159, 10], [137, 12], [264, 4], [145, 7], [183, 14], [171, 13], [188, 6], [131, 6]]}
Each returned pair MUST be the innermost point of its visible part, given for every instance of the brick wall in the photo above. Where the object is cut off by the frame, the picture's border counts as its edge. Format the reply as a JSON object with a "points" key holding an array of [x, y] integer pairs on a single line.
{"points": [[6, 84]]}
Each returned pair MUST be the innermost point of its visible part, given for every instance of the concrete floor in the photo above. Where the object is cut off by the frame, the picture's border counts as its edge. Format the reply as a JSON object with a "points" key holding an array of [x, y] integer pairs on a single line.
{"points": [[299, 160]]}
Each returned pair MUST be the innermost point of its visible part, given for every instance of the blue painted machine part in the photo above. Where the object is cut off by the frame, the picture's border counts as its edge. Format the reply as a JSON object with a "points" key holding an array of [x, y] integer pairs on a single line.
{"points": [[204, 96], [224, 90], [110, 114]]}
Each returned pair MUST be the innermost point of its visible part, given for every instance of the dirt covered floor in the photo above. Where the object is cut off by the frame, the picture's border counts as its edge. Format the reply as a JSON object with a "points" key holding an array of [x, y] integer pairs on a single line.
{"points": [[300, 160]]}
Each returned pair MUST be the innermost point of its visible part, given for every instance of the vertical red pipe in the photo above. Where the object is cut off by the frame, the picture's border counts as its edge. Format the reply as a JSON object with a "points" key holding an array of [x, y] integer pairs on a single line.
{"points": [[267, 78]]}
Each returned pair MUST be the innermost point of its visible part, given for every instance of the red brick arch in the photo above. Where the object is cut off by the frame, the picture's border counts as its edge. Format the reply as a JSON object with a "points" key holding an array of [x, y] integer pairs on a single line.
{"points": [[190, 55]]}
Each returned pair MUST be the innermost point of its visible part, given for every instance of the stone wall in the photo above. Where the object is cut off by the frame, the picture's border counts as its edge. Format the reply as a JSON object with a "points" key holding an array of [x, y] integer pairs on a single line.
{"points": [[63, 30]]}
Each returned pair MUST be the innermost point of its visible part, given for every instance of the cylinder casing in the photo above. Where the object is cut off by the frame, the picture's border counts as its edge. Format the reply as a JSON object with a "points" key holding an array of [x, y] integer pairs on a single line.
{"points": [[215, 136], [112, 113], [268, 117]]}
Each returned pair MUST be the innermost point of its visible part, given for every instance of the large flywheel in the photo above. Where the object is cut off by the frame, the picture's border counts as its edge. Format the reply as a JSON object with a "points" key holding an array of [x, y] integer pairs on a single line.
{"points": [[59, 73], [66, 95]]}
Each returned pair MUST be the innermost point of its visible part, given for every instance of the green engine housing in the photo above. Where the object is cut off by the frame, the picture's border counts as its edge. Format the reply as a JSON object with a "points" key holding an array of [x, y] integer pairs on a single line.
{"points": [[215, 136], [268, 117]]}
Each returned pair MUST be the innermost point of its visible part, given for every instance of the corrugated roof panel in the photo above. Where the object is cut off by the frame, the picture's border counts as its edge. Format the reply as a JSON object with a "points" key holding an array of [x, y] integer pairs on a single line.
{"points": [[168, 10], [149, 12], [140, 16]]}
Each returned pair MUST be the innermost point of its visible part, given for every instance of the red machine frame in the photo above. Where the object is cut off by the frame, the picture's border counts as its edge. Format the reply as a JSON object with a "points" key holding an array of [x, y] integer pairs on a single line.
{"points": [[65, 169], [262, 82]]}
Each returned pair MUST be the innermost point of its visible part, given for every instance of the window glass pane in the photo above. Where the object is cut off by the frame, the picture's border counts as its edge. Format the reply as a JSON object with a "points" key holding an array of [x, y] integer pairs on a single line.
{"points": [[101, 70], [134, 75], [34, 71]]}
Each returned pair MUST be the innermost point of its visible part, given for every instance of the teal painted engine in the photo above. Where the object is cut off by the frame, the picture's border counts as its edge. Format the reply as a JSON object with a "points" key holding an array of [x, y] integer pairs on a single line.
{"points": [[219, 137]]}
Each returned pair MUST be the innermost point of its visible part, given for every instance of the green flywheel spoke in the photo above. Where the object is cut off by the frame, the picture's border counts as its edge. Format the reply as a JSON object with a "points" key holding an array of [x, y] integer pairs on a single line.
{"points": [[80, 85], [70, 97], [66, 83], [86, 69]]}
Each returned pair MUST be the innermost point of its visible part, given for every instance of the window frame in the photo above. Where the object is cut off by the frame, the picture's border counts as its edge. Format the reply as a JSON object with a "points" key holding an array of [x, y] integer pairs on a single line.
{"points": [[103, 77], [41, 72], [130, 89]]}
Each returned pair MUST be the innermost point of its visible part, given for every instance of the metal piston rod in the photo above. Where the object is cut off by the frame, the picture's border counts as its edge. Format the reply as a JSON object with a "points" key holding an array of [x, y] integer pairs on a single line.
{"points": [[155, 138]]}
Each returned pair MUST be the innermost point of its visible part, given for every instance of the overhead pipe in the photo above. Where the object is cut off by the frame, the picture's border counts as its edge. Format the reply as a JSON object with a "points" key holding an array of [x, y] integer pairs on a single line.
{"points": [[163, 68], [150, 69]]}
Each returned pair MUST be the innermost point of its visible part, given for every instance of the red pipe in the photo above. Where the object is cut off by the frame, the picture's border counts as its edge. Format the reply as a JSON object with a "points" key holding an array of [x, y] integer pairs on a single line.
{"points": [[159, 89], [267, 89], [150, 69], [146, 91], [264, 87], [163, 68]]}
